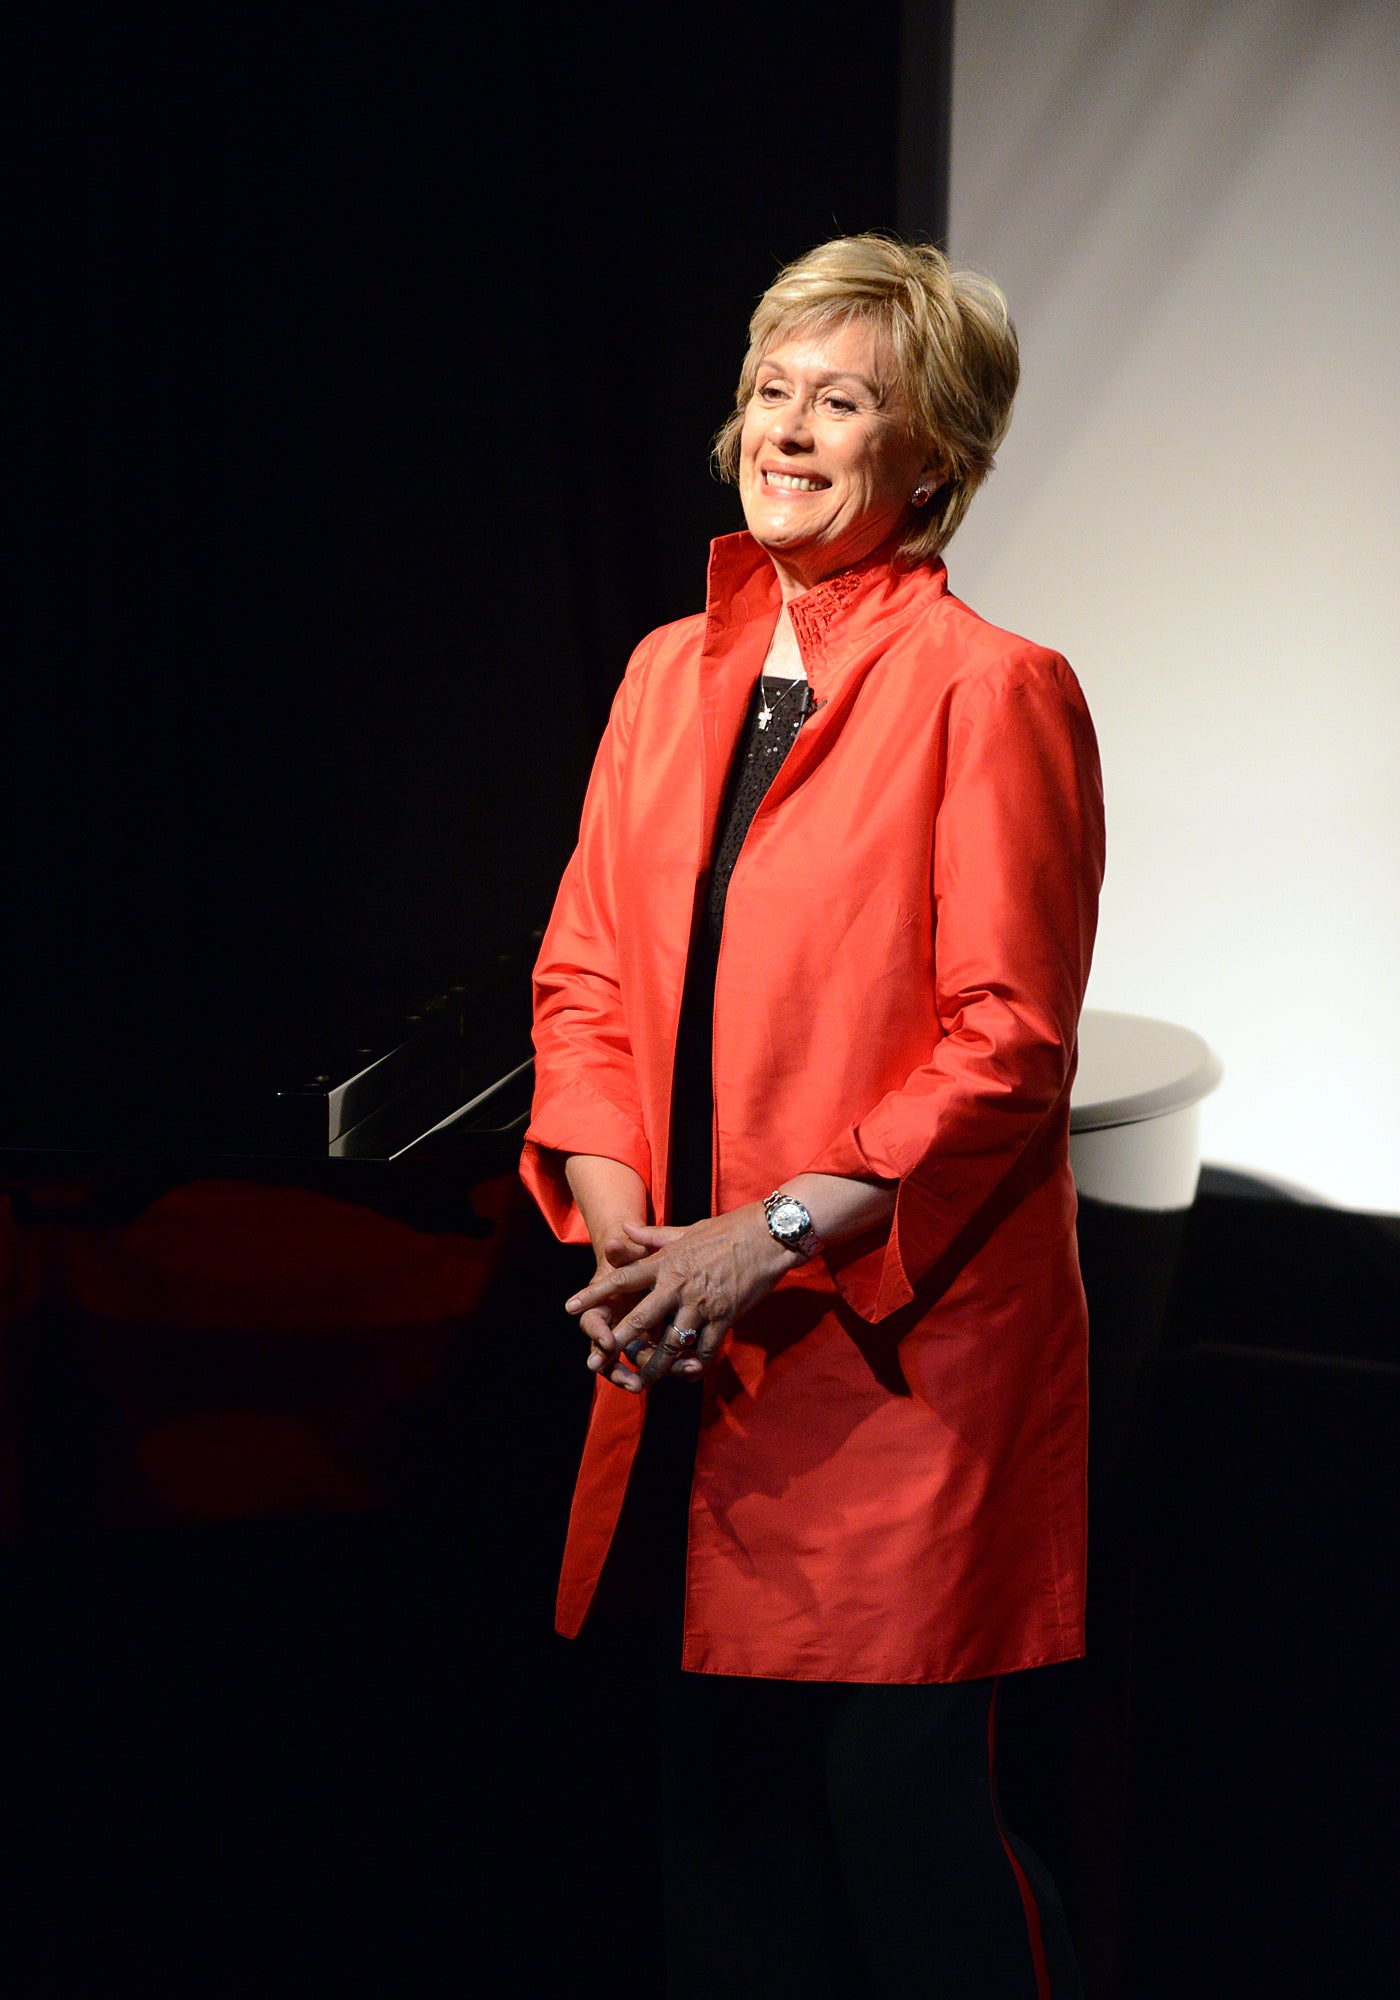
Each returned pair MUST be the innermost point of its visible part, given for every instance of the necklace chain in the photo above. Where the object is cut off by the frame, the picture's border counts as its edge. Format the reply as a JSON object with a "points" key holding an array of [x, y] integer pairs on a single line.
{"points": [[769, 709]]}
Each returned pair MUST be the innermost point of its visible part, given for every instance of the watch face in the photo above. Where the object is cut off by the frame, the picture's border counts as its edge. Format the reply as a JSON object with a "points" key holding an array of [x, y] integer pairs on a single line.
{"points": [[789, 1218]]}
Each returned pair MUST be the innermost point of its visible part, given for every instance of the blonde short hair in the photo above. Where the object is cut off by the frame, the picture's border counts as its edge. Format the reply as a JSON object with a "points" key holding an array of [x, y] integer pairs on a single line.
{"points": [[953, 346]]}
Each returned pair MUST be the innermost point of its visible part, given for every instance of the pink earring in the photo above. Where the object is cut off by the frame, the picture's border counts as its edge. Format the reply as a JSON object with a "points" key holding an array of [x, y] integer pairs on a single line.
{"points": [[922, 496]]}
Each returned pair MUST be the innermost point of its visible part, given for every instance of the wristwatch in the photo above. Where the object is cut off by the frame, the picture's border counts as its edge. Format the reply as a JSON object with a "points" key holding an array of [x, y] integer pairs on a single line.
{"points": [[790, 1224]]}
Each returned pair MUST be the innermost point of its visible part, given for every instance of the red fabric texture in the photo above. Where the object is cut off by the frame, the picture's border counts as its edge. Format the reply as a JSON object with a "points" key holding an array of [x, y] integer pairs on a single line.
{"points": [[889, 1484], [258, 1345]]}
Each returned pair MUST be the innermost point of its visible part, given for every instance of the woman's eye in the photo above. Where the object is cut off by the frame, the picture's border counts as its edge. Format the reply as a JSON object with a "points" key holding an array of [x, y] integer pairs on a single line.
{"points": [[770, 393], [842, 404]]}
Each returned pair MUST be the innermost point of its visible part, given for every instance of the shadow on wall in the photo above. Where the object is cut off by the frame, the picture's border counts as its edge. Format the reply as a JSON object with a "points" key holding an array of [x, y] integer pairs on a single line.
{"points": [[1261, 1622], [1119, 60], [1272, 1267]]}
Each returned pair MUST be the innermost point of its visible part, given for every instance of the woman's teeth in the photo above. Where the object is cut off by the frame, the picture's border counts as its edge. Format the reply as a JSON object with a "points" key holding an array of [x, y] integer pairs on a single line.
{"points": [[790, 483]]}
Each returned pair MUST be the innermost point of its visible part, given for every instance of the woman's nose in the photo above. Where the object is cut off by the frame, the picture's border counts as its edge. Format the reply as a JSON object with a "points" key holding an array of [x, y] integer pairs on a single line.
{"points": [[789, 426]]}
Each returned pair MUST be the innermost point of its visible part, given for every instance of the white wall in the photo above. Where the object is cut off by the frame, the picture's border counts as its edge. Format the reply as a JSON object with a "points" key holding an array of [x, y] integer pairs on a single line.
{"points": [[1195, 211]]}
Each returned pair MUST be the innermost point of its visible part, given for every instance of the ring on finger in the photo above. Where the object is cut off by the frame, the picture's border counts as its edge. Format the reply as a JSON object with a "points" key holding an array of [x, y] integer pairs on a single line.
{"points": [[686, 1335]]}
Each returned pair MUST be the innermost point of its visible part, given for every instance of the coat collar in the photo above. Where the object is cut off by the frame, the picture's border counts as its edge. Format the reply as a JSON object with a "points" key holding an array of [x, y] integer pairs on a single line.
{"points": [[742, 591]]}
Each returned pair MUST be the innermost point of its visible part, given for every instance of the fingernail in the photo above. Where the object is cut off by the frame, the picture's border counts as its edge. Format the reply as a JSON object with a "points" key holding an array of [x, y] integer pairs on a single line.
{"points": [[572, 1305]]}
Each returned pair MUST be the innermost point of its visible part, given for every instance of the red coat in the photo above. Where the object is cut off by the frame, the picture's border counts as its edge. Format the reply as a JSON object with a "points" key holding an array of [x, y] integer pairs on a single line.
{"points": [[889, 1484]]}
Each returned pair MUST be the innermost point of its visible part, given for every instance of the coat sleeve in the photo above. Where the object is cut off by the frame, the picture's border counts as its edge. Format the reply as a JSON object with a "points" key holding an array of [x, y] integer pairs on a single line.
{"points": [[586, 1097], [1017, 866]]}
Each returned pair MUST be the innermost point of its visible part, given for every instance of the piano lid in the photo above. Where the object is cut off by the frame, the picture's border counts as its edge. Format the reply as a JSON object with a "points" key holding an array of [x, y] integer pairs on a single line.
{"points": [[371, 1067]]}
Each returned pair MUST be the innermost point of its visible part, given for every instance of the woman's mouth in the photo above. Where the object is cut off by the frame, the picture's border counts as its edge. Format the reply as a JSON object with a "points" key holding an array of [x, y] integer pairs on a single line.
{"points": [[794, 482]]}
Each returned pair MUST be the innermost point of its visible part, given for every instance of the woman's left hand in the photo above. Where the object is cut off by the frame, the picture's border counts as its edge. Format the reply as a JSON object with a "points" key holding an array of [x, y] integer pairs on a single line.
{"points": [[703, 1278]]}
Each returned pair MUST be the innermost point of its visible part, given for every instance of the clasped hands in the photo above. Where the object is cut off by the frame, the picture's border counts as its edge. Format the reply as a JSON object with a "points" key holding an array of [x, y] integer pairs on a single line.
{"points": [[653, 1280]]}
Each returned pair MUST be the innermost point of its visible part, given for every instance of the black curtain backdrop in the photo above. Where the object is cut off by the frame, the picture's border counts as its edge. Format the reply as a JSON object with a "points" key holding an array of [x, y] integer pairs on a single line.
{"points": [[367, 364]]}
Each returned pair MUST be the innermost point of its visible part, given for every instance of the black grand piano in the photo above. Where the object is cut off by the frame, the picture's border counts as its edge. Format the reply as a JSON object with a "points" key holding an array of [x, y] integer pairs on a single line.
{"points": [[270, 1177], [286, 1440]]}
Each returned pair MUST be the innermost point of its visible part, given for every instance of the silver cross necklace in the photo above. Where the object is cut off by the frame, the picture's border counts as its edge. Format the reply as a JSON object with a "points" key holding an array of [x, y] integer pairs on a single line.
{"points": [[767, 709]]}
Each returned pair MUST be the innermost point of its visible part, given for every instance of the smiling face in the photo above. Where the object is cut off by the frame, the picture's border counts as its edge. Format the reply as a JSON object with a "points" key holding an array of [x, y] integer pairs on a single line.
{"points": [[827, 466]]}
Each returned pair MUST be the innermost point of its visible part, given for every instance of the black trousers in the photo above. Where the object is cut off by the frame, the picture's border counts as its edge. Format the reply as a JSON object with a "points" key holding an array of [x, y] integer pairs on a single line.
{"points": [[826, 1841]]}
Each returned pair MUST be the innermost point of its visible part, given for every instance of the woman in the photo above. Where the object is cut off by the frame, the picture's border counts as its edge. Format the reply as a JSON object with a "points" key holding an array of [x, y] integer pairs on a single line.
{"points": [[805, 1021]]}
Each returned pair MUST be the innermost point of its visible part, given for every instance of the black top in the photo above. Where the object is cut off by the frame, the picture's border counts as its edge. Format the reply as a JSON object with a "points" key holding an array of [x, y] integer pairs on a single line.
{"points": [[776, 713], [646, 1563]]}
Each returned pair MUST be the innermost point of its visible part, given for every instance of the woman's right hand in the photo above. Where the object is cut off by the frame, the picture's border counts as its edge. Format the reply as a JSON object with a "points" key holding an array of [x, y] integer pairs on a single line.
{"points": [[616, 1252], [613, 1252], [608, 1194]]}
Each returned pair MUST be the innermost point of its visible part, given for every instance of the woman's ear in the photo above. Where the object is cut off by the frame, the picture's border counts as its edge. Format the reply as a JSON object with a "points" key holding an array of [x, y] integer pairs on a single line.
{"points": [[932, 478]]}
